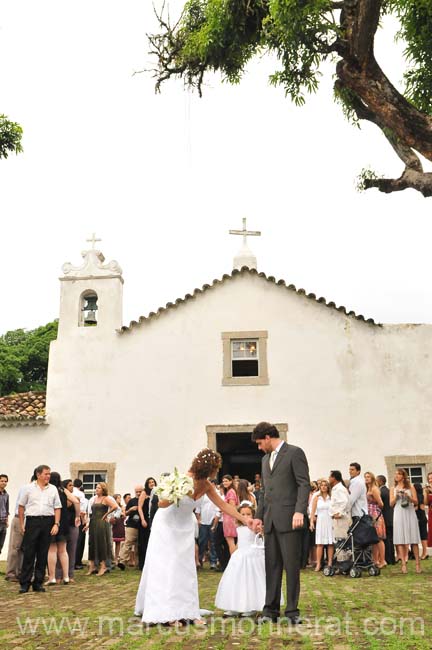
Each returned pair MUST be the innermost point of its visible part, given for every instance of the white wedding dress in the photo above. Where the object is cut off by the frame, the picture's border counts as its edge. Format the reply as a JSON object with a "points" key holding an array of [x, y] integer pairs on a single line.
{"points": [[168, 590]]}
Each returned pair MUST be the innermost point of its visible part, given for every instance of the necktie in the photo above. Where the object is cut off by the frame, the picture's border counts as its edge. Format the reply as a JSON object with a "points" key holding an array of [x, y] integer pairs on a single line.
{"points": [[272, 459]]}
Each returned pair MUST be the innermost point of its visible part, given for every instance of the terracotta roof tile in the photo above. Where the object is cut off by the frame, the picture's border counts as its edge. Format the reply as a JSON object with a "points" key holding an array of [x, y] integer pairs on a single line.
{"points": [[23, 408], [244, 270]]}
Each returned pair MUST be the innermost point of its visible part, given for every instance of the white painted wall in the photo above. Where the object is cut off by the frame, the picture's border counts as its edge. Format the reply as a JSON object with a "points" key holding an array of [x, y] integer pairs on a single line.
{"points": [[142, 399]]}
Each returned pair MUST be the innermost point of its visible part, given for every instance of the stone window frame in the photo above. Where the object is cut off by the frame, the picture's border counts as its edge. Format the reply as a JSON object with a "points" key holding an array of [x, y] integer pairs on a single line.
{"points": [[262, 379], [108, 468], [213, 429], [392, 462]]}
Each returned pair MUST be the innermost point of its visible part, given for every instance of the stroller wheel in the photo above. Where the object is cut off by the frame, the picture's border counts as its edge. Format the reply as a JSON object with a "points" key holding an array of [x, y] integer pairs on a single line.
{"points": [[328, 571], [374, 571], [355, 572]]}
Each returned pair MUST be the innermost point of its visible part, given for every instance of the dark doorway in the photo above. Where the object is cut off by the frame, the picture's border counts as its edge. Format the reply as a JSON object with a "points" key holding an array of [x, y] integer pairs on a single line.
{"points": [[239, 455]]}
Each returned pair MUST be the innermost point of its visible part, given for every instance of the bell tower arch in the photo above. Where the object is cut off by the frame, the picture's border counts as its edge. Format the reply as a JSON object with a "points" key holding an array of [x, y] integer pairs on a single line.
{"points": [[91, 296]]}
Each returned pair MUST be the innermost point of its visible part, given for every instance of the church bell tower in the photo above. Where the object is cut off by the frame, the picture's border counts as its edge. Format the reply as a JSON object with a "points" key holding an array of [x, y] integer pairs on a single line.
{"points": [[91, 298]]}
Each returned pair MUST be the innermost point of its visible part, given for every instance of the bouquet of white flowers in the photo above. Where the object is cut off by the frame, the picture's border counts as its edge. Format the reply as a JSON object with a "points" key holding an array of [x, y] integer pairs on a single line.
{"points": [[174, 486]]}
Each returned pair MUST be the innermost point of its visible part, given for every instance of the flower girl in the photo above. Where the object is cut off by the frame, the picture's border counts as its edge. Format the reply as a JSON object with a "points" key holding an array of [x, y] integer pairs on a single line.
{"points": [[242, 588]]}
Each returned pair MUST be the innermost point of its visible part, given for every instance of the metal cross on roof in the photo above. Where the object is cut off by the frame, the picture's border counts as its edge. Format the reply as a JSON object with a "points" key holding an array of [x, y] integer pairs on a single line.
{"points": [[246, 233], [93, 240]]}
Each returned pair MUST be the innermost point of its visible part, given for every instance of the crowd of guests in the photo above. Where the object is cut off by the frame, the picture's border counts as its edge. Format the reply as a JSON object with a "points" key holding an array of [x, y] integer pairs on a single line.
{"points": [[398, 514], [52, 519]]}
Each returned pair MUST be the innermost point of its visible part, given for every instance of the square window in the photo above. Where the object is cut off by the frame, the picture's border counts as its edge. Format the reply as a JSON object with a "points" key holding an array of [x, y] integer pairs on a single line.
{"points": [[90, 480], [244, 361], [244, 358]]}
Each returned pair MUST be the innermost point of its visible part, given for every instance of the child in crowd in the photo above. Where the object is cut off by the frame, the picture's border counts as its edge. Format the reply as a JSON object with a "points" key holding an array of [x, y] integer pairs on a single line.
{"points": [[242, 588]]}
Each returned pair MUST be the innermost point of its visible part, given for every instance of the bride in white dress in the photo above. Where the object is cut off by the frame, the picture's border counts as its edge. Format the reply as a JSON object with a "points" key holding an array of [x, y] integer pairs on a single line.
{"points": [[168, 590]]}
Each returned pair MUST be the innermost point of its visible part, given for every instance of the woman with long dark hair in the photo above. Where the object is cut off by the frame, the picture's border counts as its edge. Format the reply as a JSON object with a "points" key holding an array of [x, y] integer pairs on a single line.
{"points": [[145, 514], [244, 493], [57, 548]]}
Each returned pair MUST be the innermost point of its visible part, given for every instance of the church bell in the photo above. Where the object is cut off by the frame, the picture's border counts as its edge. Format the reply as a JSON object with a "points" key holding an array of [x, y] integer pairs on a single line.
{"points": [[89, 310]]}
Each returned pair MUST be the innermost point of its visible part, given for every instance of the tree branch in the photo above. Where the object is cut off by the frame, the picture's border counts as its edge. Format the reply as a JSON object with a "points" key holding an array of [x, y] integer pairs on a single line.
{"points": [[410, 179]]}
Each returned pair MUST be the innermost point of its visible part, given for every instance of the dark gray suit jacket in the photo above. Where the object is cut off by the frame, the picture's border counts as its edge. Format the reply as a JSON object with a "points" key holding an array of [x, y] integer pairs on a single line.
{"points": [[286, 488]]}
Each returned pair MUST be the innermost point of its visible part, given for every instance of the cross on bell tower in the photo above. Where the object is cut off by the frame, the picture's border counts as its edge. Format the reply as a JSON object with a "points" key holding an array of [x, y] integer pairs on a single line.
{"points": [[245, 257], [93, 240]]}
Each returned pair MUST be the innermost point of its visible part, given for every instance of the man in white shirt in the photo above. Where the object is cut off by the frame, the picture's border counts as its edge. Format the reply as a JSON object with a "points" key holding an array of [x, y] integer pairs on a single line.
{"points": [[206, 511], [340, 508], [41, 505], [357, 490]]}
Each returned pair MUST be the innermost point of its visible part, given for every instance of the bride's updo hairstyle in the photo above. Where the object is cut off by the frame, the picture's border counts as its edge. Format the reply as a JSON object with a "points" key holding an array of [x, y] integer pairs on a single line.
{"points": [[205, 463]]}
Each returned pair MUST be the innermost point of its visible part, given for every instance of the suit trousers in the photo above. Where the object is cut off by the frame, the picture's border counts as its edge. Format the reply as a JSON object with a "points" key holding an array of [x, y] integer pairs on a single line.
{"points": [[3, 531], [282, 551], [80, 546], [36, 543], [389, 547], [15, 552], [221, 546]]}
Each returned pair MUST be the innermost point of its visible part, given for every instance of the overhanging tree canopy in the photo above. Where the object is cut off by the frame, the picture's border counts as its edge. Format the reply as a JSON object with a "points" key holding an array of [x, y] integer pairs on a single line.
{"points": [[10, 137], [223, 35]]}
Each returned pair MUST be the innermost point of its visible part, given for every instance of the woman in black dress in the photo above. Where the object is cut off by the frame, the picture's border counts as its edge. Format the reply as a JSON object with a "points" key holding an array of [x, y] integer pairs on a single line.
{"points": [[57, 549], [146, 505]]}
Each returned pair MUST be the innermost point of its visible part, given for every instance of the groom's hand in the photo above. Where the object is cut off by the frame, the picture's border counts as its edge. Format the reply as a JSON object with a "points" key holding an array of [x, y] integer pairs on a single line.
{"points": [[298, 520]]}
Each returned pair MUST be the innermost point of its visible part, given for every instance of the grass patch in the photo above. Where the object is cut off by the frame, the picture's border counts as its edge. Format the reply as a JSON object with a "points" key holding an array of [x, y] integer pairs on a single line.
{"points": [[390, 612]]}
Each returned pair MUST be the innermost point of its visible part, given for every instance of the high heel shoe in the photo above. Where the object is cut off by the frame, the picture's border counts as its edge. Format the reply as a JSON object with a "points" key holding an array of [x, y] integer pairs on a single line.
{"points": [[91, 573], [101, 572], [404, 568], [418, 568]]}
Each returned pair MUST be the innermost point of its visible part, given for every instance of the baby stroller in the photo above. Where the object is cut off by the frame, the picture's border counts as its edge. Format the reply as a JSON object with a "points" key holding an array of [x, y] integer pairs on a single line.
{"points": [[353, 554]]}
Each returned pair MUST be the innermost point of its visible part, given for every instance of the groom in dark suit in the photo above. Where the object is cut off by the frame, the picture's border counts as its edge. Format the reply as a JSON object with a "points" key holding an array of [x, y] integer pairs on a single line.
{"points": [[282, 507]]}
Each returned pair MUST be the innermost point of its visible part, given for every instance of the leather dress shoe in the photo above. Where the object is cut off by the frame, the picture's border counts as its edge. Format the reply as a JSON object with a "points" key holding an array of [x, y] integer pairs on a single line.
{"points": [[23, 589], [121, 566], [294, 620], [267, 619], [39, 589]]}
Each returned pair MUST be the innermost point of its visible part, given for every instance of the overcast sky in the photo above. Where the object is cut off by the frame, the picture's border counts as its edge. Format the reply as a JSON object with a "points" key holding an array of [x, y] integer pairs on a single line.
{"points": [[162, 178]]}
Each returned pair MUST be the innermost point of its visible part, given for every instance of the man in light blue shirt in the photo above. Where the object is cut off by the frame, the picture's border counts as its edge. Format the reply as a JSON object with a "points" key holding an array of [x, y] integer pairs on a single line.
{"points": [[357, 490]]}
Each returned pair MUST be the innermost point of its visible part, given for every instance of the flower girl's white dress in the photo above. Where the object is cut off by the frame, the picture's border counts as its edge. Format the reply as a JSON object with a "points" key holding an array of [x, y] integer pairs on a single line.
{"points": [[168, 589], [243, 585]]}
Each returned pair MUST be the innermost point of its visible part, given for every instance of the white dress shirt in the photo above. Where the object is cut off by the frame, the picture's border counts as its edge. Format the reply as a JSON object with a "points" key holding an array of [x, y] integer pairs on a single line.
{"points": [[206, 509], [274, 454], [358, 498], [340, 501], [81, 496], [40, 502]]}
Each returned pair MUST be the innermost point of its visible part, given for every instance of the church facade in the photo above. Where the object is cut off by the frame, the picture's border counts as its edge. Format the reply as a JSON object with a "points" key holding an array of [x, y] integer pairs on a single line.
{"points": [[127, 402]]}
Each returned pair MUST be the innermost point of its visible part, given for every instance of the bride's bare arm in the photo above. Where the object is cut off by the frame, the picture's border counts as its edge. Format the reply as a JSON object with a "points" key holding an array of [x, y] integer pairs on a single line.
{"points": [[164, 503], [225, 507]]}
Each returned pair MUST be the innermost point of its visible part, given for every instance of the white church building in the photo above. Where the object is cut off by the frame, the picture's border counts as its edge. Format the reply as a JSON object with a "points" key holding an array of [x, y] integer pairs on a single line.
{"points": [[127, 402]]}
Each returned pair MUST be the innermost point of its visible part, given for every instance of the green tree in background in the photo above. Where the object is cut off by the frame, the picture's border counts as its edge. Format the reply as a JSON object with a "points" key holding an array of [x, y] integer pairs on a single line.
{"points": [[223, 35], [24, 359], [10, 137]]}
